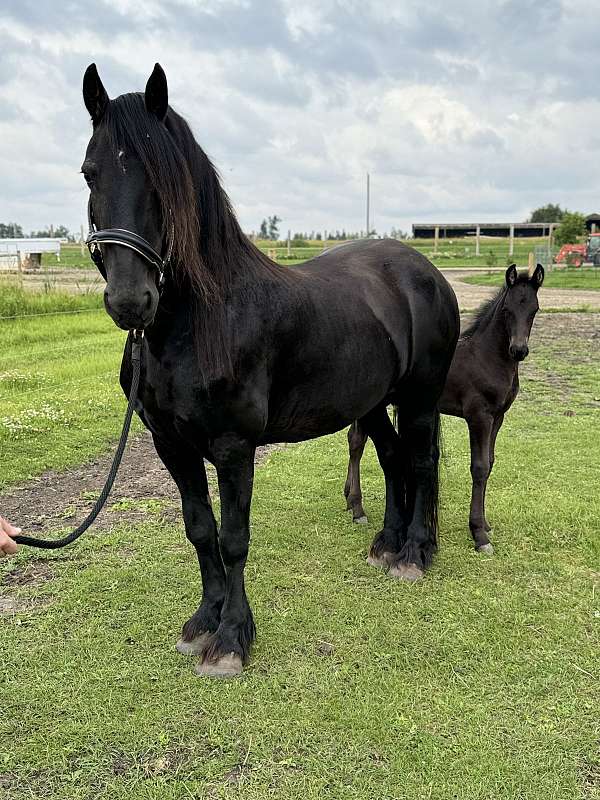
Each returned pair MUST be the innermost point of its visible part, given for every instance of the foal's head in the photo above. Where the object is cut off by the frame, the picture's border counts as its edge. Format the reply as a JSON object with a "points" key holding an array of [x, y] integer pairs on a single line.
{"points": [[139, 181], [520, 307]]}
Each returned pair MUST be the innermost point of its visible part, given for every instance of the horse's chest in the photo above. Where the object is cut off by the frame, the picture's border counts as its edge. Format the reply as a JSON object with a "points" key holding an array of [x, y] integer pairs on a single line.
{"points": [[170, 404]]}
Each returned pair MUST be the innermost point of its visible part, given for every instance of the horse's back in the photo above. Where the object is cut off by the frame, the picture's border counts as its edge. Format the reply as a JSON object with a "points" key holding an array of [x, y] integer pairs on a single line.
{"points": [[401, 287]]}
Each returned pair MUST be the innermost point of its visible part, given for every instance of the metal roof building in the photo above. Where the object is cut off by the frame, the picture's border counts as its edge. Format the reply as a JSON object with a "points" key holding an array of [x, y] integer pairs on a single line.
{"points": [[448, 230]]}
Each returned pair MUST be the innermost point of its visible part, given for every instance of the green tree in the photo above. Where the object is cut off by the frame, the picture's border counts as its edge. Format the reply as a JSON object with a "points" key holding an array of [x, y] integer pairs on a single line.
{"points": [[571, 228], [10, 230], [549, 213], [274, 227], [263, 233]]}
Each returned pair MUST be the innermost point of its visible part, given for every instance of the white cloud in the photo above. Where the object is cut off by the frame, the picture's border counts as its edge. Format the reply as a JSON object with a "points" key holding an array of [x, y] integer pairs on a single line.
{"points": [[483, 110]]}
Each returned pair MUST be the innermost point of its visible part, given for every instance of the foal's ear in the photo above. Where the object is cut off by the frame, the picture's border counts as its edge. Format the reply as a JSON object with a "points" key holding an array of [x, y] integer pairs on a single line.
{"points": [[157, 93], [511, 275], [94, 94], [538, 277]]}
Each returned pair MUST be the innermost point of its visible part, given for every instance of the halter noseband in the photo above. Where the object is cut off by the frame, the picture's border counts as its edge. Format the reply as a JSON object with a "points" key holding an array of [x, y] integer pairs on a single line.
{"points": [[129, 239]]}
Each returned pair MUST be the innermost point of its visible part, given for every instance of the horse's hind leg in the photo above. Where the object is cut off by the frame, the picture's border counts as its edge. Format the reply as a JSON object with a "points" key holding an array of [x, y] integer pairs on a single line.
{"points": [[189, 474], [378, 426], [357, 439], [420, 434]]}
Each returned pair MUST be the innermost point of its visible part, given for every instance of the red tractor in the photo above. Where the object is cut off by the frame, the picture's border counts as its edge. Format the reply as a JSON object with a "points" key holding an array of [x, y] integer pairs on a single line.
{"points": [[574, 255]]}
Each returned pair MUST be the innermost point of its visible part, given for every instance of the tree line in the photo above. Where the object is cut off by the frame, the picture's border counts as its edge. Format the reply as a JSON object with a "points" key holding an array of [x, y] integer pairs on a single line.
{"points": [[11, 230]]}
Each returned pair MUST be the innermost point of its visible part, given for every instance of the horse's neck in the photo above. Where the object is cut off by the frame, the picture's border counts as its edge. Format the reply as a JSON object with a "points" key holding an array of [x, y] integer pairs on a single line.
{"points": [[492, 341]]}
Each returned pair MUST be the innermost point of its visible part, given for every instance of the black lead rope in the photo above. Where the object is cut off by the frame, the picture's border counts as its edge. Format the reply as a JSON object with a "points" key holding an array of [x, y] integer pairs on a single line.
{"points": [[54, 544]]}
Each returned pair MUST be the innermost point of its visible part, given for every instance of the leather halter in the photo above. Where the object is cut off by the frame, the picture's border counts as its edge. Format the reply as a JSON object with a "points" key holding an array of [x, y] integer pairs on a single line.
{"points": [[129, 239]]}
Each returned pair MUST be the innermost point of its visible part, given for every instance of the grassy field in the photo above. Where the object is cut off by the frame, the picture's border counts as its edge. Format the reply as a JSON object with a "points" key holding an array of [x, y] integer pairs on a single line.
{"points": [[59, 393], [556, 279], [478, 683], [451, 252]]}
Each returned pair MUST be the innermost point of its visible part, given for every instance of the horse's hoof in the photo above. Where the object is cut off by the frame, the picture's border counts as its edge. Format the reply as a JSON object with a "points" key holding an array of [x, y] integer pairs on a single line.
{"points": [[194, 647], [229, 666], [486, 548], [364, 520], [406, 572], [379, 562]]}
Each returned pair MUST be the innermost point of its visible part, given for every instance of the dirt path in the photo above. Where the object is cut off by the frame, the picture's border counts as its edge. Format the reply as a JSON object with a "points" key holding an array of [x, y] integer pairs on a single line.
{"points": [[470, 296], [59, 500]]}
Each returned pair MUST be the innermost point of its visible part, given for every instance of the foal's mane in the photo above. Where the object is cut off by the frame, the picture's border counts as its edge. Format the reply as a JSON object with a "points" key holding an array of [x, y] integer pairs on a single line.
{"points": [[486, 311], [209, 247]]}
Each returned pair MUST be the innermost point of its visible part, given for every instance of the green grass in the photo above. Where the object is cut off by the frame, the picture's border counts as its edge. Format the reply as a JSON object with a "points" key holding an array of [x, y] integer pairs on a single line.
{"points": [[556, 279], [480, 682], [16, 301], [60, 401]]}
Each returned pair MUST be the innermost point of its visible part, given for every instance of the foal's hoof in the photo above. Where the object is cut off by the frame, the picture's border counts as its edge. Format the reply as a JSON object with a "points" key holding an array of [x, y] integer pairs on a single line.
{"points": [[486, 548], [364, 520], [229, 666], [380, 561], [194, 647], [406, 572]]}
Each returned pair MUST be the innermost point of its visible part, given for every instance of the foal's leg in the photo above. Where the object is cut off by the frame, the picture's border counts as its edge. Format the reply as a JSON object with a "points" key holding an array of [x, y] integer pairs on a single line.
{"points": [[357, 439], [229, 647], [378, 426], [497, 424], [480, 432], [189, 474], [419, 437]]}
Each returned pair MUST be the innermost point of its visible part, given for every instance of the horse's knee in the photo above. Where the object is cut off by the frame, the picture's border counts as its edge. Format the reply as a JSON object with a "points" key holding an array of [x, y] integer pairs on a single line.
{"points": [[233, 546], [200, 526], [479, 471]]}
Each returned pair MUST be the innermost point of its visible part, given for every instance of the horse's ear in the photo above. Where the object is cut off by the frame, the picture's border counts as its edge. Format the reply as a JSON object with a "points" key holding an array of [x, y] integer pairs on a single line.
{"points": [[157, 93], [94, 94], [538, 276], [511, 275]]}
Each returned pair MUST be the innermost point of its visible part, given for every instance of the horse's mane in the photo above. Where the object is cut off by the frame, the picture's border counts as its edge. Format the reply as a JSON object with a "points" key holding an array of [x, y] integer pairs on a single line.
{"points": [[485, 312], [209, 246]]}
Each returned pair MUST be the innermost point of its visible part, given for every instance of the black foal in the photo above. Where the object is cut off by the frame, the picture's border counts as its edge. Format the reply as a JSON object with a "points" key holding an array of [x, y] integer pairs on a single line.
{"points": [[481, 386]]}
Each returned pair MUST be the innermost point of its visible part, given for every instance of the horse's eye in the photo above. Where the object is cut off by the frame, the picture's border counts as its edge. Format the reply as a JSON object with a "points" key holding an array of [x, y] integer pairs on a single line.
{"points": [[89, 179]]}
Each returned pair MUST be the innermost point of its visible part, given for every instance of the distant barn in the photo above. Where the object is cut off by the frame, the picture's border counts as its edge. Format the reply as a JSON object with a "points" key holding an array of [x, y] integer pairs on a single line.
{"points": [[458, 230]]}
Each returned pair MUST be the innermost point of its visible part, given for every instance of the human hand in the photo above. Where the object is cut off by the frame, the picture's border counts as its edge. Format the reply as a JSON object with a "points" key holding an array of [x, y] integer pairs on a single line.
{"points": [[7, 546]]}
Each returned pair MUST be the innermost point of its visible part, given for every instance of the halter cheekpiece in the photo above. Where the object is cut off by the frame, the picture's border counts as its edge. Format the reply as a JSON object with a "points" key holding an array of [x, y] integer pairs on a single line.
{"points": [[129, 239]]}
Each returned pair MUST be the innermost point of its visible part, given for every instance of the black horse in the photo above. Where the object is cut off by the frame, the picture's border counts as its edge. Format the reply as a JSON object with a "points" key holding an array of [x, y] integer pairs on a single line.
{"points": [[481, 386], [239, 351]]}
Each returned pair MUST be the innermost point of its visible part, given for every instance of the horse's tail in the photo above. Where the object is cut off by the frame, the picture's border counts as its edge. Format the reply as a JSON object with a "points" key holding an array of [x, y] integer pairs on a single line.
{"points": [[431, 509]]}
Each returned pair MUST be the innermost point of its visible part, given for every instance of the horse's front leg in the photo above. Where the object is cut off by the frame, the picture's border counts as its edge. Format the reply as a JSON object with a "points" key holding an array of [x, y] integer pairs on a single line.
{"points": [[480, 430], [495, 428], [228, 648], [189, 474]]}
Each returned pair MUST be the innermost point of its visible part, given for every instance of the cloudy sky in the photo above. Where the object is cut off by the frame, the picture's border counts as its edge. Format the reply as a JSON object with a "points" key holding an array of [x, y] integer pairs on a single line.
{"points": [[461, 111]]}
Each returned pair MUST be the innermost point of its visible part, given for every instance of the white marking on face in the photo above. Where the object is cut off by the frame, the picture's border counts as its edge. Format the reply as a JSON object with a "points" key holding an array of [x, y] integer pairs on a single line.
{"points": [[121, 154]]}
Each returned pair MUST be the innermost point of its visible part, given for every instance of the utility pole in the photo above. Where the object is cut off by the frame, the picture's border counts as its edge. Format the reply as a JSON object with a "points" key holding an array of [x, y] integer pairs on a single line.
{"points": [[368, 203]]}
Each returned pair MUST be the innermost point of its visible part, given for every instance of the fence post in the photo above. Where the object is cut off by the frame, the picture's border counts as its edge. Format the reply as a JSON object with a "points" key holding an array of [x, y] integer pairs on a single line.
{"points": [[436, 240], [530, 264], [477, 235], [511, 244], [289, 244]]}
